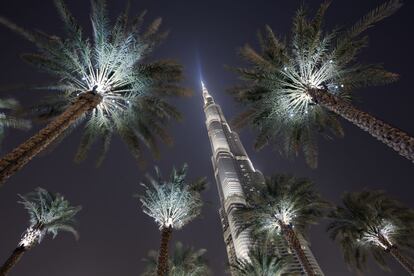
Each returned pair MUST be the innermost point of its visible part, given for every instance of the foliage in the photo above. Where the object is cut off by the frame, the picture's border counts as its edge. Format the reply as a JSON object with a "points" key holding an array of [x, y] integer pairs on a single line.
{"points": [[284, 199], [111, 64], [7, 121], [173, 202], [186, 261], [49, 213], [363, 218], [260, 263], [279, 76]]}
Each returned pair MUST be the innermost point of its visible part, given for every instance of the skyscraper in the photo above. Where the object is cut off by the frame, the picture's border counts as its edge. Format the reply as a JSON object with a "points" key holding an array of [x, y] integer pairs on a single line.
{"points": [[234, 173], [237, 180]]}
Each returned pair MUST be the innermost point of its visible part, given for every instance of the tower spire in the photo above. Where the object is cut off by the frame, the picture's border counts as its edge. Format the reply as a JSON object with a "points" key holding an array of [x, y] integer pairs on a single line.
{"points": [[203, 87], [206, 95]]}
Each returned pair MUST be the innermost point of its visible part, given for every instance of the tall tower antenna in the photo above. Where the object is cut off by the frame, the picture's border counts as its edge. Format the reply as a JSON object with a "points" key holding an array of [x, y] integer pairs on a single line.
{"points": [[206, 95]]}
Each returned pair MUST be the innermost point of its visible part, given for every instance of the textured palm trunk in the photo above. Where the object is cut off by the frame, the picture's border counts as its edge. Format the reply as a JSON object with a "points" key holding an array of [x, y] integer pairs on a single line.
{"points": [[393, 250], [296, 246], [396, 139], [162, 269], [402, 260], [20, 156], [12, 260]]}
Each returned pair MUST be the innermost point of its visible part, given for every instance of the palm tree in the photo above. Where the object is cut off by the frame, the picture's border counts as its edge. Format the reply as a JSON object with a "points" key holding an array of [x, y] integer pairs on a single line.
{"points": [[49, 213], [260, 263], [295, 91], [185, 261], [103, 81], [372, 222], [286, 206], [172, 204], [7, 121]]}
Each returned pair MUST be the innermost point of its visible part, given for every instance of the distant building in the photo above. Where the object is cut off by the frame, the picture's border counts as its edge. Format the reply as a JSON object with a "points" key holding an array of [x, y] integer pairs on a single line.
{"points": [[236, 180]]}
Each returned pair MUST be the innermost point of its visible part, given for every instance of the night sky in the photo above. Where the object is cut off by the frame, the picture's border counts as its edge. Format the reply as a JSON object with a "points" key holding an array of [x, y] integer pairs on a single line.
{"points": [[115, 234]]}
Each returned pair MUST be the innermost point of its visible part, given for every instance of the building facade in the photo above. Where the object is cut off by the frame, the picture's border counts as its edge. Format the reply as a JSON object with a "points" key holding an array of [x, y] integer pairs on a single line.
{"points": [[236, 179]]}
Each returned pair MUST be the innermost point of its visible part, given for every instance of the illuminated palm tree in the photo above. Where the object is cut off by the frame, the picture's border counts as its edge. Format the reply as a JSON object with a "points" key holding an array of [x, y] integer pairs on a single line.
{"points": [[295, 91], [172, 204], [372, 222], [103, 81], [286, 206], [7, 121], [260, 263], [49, 213], [185, 261]]}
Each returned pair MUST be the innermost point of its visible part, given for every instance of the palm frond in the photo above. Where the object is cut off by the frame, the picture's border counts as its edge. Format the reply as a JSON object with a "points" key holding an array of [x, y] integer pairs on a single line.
{"points": [[284, 198], [277, 79], [261, 263], [185, 261], [364, 219], [112, 63], [10, 120], [49, 213], [173, 202]]}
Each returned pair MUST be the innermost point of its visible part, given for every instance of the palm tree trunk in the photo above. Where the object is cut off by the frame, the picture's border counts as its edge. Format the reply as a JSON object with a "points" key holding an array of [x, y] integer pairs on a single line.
{"points": [[402, 260], [12, 260], [296, 246], [20, 156], [162, 269], [396, 139]]}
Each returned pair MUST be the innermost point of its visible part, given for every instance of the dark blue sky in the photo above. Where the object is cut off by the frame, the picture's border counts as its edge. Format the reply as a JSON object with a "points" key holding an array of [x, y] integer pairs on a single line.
{"points": [[115, 234]]}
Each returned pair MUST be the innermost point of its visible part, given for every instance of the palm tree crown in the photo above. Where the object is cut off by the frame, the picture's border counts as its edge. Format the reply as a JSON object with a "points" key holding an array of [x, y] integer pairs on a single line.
{"points": [[49, 213], [288, 200], [282, 74], [185, 261], [260, 263], [10, 121], [172, 203], [284, 208], [371, 222], [111, 64]]}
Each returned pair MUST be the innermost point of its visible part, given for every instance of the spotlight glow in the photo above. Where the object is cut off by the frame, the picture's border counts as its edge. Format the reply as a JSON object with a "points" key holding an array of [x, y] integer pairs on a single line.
{"points": [[374, 234], [31, 237]]}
